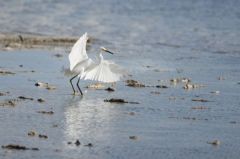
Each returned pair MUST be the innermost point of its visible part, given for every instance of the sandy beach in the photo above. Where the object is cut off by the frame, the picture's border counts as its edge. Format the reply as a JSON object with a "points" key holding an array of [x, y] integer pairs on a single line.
{"points": [[180, 100]]}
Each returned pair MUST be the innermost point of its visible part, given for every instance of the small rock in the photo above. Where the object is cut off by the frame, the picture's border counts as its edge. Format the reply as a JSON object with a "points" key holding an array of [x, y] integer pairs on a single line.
{"points": [[58, 55], [118, 100], [89, 145], [109, 89], [44, 85], [77, 143], [200, 100], [46, 112], [161, 86], [115, 100], [192, 86], [41, 84], [69, 142], [134, 83], [133, 137], [40, 100], [43, 136], [25, 98], [18, 147], [31, 133], [214, 142]]}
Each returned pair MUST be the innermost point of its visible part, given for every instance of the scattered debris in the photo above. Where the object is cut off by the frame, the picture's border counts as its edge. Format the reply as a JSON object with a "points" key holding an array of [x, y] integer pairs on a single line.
{"points": [[40, 100], [25, 98], [31, 133], [115, 100], [36, 41], [200, 107], [133, 83], [44, 85], [3, 72], [161, 86], [46, 112], [200, 100], [214, 142], [192, 86], [96, 86], [43, 136], [180, 80], [77, 143], [89, 145], [18, 147], [189, 118], [133, 137], [109, 89], [118, 100], [10, 102]]}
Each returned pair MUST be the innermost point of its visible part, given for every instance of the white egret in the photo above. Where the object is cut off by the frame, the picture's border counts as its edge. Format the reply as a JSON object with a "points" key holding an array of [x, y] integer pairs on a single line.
{"points": [[87, 69]]}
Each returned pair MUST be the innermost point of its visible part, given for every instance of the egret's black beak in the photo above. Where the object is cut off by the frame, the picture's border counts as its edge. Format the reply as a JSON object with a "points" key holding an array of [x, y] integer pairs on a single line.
{"points": [[109, 52], [106, 50]]}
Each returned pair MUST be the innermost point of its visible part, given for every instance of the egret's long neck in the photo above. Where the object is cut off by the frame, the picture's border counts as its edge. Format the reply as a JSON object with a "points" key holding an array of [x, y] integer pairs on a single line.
{"points": [[100, 57]]}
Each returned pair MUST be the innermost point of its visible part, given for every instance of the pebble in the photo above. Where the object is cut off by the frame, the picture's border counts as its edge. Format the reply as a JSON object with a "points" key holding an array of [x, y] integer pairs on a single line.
{"points": [[214, 142]]}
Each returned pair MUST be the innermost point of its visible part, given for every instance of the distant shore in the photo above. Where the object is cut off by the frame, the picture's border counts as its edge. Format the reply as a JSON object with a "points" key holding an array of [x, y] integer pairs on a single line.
{"points": [[27, 41]]}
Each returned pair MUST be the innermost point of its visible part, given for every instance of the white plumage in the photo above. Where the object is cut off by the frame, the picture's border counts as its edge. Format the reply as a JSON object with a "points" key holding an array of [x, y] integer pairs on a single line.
{"points": [[86, 69]]}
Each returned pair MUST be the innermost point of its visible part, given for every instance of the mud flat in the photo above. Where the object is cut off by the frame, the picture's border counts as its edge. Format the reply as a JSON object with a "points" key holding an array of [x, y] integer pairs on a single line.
{"points": [[20, 41]]}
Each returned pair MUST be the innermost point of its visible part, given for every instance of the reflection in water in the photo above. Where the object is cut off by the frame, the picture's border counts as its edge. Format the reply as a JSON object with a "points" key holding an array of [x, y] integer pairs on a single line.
{"points": [[86, 119]]}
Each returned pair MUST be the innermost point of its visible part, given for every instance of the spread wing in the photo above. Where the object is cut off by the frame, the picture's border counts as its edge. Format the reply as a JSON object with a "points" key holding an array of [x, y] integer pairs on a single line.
{"points": [[78, 52], [105, 71]]}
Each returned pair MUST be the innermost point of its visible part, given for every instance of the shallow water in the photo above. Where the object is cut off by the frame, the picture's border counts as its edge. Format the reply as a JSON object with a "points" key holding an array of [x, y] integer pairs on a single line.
{"points": [[164, 126], [154, 40]]}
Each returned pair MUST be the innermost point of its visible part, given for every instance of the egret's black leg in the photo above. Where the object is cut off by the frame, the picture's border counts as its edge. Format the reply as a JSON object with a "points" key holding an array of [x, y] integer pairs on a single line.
{"points": [[72, 84], [79, 87]]}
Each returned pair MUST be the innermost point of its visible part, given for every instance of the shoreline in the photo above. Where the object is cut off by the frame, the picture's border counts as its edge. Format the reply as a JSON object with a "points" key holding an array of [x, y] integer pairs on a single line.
{"points": [[10, 41]]}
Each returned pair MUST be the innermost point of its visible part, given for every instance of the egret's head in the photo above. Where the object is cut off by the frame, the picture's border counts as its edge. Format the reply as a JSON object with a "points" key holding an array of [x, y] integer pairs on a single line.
{"points": [[106, 50]]}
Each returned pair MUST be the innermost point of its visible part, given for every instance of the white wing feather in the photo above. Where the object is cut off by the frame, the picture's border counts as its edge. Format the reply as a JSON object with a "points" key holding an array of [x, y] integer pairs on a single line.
{"points": [[78, 52], [105, 71]]}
